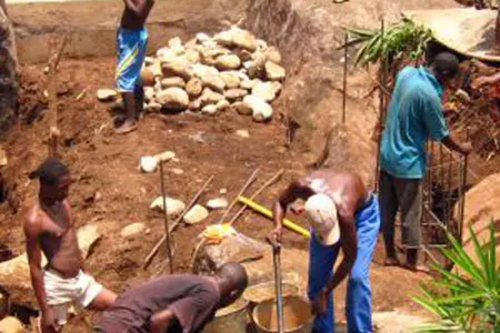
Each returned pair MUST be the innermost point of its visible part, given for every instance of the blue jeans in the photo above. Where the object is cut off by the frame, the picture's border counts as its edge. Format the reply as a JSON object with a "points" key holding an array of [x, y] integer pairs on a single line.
{"points": [[359, 296]]}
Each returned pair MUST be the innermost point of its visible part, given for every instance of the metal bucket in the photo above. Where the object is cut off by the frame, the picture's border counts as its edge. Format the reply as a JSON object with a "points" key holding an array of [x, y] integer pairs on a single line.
{"points": [[297, 313], [231, 319]]}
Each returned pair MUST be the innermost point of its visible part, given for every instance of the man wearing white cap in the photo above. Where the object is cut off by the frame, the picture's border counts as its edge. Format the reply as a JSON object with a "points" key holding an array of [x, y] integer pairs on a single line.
{"points": [[343, 215]]}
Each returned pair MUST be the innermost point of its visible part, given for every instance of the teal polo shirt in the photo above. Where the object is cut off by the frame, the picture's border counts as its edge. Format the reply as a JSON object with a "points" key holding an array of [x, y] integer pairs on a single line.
{"points": [[415, 116]]}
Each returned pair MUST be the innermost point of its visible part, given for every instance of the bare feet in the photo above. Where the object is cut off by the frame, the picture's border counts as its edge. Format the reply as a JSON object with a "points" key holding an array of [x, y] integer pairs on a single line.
{"points": [[417, 268], [389, 261], [128, 126]]}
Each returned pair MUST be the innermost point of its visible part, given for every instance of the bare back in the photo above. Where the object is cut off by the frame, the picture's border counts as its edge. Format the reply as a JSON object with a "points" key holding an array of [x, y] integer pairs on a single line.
{"points": [[57, 238], [345, 188]]}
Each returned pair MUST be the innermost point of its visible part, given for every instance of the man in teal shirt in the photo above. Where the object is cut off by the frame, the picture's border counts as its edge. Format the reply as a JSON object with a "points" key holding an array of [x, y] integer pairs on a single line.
{"points": [[415, 116]]}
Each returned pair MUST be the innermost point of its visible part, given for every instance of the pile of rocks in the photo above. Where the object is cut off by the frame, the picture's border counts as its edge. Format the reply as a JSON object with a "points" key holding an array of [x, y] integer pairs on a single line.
{"points": [[231, 70]]}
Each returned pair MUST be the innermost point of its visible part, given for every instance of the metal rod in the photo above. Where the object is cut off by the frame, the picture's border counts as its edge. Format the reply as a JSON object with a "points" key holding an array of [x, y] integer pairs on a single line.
{"points": [[381, 117], [262, 188], [344, 89], [242, 191], [279, 288], [448, 206], [464, 184], [156, 248], [165, 216]]}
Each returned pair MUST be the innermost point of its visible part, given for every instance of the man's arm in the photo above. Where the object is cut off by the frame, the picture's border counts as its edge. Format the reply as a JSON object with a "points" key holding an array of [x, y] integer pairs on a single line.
{"points": [[280, 207], [161, 321], [349, 244], [34, 253], [138, 7]]}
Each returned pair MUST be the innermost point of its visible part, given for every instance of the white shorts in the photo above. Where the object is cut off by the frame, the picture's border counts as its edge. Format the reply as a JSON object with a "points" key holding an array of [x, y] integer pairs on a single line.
{"points": [[62, 293]]}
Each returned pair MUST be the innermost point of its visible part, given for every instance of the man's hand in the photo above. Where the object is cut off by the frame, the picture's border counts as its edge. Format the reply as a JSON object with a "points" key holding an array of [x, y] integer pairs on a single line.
{"points": [[466, 148], [275, 236], [48, 322], [320, 304]]}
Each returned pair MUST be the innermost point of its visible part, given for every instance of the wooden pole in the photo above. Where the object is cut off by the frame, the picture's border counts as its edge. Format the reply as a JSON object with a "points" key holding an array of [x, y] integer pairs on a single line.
{"points": [[344, 81], [165, 216], [381, 119], [174, 226]]}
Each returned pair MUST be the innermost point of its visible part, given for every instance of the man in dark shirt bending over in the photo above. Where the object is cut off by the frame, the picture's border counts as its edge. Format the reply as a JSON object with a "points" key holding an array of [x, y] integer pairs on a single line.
{"points": [[131, 45], [174, 303]]}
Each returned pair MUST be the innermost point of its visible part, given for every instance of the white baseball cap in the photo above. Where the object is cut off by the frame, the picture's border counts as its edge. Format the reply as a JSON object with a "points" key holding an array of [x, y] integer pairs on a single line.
{"points": [[322, 214]]}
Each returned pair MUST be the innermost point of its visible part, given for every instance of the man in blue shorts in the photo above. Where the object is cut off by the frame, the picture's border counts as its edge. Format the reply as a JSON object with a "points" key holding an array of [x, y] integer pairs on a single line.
{"points": [[132, 39], [345, 216]]}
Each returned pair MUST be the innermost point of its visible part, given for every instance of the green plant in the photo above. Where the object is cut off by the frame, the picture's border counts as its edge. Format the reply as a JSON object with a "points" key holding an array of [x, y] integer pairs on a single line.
{"points": [[468, 298], [404, 39]]}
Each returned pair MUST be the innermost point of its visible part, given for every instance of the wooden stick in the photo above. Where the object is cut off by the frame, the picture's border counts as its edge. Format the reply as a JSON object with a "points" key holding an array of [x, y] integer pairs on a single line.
{"points": [[165, 216], [259, 191], [344, 81], [243, 189], [174, 226]]}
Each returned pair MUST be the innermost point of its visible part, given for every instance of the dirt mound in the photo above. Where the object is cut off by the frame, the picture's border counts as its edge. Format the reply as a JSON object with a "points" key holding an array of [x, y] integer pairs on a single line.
{"points": [[482, 206]]}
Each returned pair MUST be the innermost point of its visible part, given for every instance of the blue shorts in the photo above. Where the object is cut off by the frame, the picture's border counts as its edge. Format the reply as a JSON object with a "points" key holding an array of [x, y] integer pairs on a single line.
{"points": [[131, 48]]}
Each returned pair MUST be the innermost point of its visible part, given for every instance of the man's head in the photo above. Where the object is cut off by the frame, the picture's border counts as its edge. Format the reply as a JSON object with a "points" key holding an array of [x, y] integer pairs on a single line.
{"points": [[445, 67], [233, 280], [54, 180], [322, 214]]}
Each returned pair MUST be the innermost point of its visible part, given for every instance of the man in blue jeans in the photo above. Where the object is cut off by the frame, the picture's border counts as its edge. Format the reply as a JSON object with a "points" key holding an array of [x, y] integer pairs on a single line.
{"points": [[343, 215], [131, 44]]}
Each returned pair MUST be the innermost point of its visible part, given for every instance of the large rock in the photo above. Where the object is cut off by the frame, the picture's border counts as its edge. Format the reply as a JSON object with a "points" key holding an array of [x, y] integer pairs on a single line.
{"points": [[210, 97], [8, 72], [231, 79], [482, 206], [177, 68], [274, 72], [244, 39], [132, 230], [194, 87], [196, 214], [267, 91], [174, 81], [227, 62], [214, 82], [173, 99], [273, 55], [210, 109], [261, 110], [200, 70], [233, 95], [12, 325], [174, 207]]}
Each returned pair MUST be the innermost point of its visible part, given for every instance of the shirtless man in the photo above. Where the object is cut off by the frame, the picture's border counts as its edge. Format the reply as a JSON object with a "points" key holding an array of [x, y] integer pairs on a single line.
{"points": [[132, 39], [343, 215], [50, 229]]}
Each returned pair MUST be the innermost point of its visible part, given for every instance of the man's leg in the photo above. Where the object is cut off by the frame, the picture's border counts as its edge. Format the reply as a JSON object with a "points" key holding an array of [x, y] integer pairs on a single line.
{"points": [[103, 300], [130, 123], [321, 261], [94, 296], [359, 294], [410, 193], [388, 209]]}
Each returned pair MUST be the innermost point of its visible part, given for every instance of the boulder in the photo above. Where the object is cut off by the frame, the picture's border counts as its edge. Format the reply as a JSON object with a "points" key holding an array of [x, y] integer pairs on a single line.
{"points": [[210, 97], [248, 84], [106, 95], [257, 67], [177, 68], [192, 56], [195, 105], [173, 99], [194, 87], [219, 203], [274, 72], [132, 230], [195, 215], [224, 38], [174, 207], [174, 81], [227, 62], [261, 111], [243, 54], [223, 105], [233, 95], [214, 82], [210, 109], [267, 91], [244, 39], [231, 79]]}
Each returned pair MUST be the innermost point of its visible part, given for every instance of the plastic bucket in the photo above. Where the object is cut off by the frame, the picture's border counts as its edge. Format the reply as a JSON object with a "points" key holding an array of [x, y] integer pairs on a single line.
{"points": [[296, 310]]}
